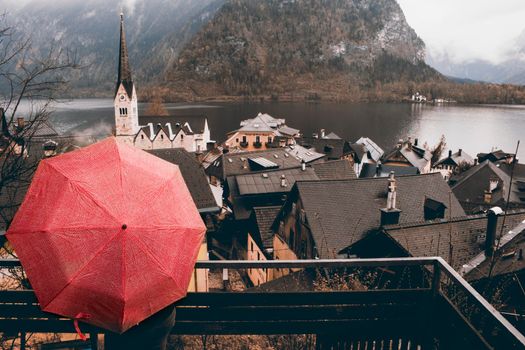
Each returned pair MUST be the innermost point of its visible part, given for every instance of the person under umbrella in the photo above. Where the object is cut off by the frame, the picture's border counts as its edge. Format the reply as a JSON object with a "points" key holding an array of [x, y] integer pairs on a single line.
{"points": [[108, 235]]}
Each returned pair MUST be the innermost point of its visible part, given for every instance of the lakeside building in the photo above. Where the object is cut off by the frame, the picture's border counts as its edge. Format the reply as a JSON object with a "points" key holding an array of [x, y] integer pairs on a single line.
{"points": [[408, 153], [143, 132], [489, 184], [261, 133], [454, 163]]}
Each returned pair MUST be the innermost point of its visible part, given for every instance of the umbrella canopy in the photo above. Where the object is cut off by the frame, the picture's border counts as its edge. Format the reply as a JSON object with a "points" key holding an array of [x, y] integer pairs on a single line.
{"points": [[108, 233]]}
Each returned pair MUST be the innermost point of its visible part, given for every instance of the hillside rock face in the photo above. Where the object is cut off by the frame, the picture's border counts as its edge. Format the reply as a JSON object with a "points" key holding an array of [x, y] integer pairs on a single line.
{"points": [[256, 47], [156, 31]]}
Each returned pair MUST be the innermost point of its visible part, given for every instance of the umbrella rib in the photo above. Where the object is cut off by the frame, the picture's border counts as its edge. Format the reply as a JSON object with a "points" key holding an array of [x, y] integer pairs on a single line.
{"points": [[80, 270], [81, 190]]}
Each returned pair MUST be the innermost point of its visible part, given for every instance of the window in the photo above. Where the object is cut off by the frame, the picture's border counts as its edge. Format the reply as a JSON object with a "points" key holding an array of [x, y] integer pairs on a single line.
{"points": [[181, 137], [291, 239], [251, 247], [123, 112], [237, 140], [269, 139], [162, 137], [142, 137], [258, 139], [244, 139]]}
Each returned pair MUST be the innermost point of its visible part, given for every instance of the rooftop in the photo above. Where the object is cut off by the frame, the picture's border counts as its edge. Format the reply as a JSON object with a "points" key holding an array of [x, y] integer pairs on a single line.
{"points": [[340, 213], [193, 175]]}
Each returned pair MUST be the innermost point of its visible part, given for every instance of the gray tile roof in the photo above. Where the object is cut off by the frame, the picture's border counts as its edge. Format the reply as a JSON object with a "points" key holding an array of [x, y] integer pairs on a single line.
{"points": [[264, 218], [370, 170], [232, 164], [333, 148], [193, 175], [334, 170], [416, 156], [457, 159], [340, 213], [302, 153], [270, 182], [470, 186], [373, 149], [434, 238]]}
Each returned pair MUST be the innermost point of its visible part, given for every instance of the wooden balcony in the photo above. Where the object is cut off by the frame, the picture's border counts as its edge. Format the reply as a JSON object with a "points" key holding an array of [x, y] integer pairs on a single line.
{"points": [[406, 303]]}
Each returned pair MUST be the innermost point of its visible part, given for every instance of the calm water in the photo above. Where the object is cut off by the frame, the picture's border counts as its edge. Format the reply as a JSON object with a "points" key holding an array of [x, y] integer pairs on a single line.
{"points": [[475, 129]]}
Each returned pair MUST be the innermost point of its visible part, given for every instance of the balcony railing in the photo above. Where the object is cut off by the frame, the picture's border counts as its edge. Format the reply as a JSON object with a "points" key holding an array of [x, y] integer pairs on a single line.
{"points": [[416, 303]]}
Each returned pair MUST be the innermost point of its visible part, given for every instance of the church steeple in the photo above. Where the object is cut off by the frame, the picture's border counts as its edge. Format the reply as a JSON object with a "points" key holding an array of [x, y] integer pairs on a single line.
{"points": [[126, 104], [124, 72]]}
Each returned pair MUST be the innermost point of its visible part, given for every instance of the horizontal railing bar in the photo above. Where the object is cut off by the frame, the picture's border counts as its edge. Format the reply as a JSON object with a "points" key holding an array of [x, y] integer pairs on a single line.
{"points": [[270, 264], [481, 301]]}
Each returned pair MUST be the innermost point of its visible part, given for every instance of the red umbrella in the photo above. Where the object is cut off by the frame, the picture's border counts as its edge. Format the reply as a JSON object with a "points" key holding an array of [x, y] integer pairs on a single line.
{"points": [[108, 233]]}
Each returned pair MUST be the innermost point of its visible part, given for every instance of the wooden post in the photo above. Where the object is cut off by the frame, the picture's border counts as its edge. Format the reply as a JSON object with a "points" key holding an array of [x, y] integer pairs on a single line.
{"points": [[93, 340], [436, 279], [22, 340]]}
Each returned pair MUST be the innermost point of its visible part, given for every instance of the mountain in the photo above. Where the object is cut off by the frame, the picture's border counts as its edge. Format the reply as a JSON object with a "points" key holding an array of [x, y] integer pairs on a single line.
{"points": [[321, 47], [156, 31], [510, 71]]}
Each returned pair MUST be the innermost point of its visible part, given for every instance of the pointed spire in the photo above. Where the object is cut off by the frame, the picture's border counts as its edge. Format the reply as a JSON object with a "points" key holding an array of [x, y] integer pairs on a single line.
{"points": [[124, 72]]}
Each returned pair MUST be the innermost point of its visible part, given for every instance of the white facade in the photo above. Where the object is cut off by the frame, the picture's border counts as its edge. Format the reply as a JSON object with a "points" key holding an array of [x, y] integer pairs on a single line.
{"points": [[126, 115], [162, 136]]}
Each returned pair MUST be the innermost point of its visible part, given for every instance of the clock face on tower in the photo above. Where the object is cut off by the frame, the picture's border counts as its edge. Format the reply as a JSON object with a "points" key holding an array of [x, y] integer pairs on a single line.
{"points": [[122, 97]]}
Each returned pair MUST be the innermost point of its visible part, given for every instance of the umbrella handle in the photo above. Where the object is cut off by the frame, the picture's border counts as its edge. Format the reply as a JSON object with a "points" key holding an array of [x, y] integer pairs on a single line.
{"points": [[80, 316]]}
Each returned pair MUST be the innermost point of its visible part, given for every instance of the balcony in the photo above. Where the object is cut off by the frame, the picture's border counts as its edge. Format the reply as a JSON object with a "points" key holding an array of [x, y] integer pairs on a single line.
{"points": [[257, 144], [243, 144], [407, 303]]}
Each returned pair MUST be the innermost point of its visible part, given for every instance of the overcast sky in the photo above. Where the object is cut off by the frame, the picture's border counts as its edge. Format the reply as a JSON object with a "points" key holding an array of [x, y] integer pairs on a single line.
{"points": [[467, 29]]}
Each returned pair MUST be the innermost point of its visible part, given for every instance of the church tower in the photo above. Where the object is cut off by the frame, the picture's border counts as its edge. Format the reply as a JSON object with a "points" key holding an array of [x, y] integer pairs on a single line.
{"points": [[126, 107]]}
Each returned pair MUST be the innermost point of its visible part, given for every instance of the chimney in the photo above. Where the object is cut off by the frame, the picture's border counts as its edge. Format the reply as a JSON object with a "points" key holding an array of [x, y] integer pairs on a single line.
{"points": [[390, 215], [323, 133], [283, 181], [450, 153], [492, 226], [315, 135], [378, 169], [460, 152], [303, 165]]}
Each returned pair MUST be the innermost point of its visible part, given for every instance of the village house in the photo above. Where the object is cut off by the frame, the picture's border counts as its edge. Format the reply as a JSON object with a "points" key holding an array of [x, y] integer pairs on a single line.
{"points": [[334, 147], [457, 240], [220, 166], [260, 133], [260, 241], [486, 185], [408, 153], [324, 219], [454, 163], [497, 156], [366, 153], [145, 133]]}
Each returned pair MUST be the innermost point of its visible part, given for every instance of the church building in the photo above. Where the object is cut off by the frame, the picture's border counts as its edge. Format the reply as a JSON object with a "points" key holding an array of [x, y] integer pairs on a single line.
{"points": [[151, 132]]}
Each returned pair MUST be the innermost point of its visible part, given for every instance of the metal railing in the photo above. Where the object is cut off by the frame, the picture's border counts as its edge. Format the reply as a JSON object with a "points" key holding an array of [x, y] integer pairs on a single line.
{"points": [[432, 276]]}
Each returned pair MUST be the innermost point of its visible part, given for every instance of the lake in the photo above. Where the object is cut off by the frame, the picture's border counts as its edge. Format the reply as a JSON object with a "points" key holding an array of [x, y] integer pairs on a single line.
{"points": [[473, 128]]}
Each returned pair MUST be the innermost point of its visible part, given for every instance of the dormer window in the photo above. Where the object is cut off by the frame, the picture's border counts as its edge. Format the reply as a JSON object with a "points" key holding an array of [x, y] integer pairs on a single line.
{"points": [[434, 209]]}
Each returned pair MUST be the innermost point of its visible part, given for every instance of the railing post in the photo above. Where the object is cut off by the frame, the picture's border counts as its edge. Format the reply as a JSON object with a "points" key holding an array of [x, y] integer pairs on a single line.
{"points": [[436, 279], [93, 340]]}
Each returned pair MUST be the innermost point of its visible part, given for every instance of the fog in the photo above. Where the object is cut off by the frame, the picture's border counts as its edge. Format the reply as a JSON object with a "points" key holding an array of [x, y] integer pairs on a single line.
{"points": [[468, 29]]}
